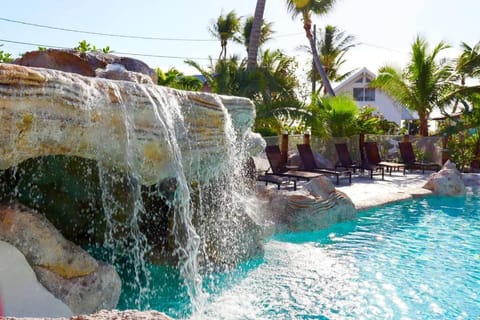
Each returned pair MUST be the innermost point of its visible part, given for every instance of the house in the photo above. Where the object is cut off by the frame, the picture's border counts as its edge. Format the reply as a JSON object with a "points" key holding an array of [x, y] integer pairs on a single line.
{"points": [[357, 86]]}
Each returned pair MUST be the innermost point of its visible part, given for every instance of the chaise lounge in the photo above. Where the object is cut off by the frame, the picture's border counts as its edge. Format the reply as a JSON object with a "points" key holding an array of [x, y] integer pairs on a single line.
{"points": [[280, 169], [373, 158], [310, 165], [408, 157], [345, 161]]}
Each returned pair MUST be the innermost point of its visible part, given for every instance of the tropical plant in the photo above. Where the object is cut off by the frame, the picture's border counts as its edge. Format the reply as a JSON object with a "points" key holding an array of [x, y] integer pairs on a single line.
{"points": [[255, 35], [271, 86], [333, 44], [176, 79], [305, 8], [266, 33], [84, 46], [423, 84], [5, 57], [468, 63], [224, 29]]}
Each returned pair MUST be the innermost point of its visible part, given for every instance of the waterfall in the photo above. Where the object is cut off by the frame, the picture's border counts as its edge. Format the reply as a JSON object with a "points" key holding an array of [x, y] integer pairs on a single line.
{"points": [[164, 170]]}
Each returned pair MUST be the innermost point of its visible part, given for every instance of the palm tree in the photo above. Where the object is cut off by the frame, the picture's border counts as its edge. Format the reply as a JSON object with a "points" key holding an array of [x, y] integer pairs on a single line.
{"points": [[225, 29], [333, 44], [468, 64], [244, 38], [306, 8], [271, 86], [422, 85], [255, 34]]}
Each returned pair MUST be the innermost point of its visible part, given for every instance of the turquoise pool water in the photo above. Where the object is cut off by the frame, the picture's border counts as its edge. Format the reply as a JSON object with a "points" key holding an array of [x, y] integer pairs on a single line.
{"points": [[413, 260]]}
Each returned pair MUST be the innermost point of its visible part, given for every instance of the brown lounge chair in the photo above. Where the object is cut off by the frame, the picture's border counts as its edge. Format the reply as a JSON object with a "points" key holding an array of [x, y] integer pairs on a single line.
{"points": [[373, 157], [309, 164], [346, 162], [280, 169], [408, 157], [253, 174]]}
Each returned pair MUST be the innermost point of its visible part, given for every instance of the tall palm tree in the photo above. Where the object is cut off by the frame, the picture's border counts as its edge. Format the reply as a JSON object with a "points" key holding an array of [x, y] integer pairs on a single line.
{"points": [[333, 44], [305, 8], [225, 29], [422, 85], [266, 33], [255, 34]]}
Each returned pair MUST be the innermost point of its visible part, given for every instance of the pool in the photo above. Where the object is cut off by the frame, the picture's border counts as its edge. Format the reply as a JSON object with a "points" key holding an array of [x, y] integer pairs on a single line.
{"points": [[418, 259]]}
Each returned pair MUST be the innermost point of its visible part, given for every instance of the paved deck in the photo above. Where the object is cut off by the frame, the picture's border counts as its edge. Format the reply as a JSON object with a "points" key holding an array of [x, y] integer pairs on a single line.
{"points": [[367, 193]]}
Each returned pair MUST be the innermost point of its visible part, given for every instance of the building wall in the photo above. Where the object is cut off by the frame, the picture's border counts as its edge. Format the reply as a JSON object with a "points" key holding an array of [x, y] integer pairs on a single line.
{"points": [[383, 103]]}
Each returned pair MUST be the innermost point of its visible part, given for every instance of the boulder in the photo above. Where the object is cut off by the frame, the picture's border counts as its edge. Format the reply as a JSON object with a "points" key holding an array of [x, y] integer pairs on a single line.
{"points": [[68, 271], [446, 182], [86, 63], [96, 291], [21, 294], [316, 206]]}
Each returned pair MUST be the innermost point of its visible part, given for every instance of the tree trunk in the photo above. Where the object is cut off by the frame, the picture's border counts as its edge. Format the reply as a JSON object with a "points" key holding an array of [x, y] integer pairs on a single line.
{"points": [[255, 35], [423, 124], [316, 60], [361, 147]]}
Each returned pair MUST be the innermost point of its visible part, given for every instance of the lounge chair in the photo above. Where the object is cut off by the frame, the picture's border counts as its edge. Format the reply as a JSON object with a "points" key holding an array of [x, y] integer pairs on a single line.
{"points": [[252, 174], [408, 157], [346, 162], [373, 157], [280, 169], [309, 164]]}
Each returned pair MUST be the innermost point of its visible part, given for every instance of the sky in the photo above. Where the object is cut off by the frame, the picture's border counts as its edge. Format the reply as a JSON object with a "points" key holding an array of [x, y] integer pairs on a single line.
{"points": [[384, 29]]}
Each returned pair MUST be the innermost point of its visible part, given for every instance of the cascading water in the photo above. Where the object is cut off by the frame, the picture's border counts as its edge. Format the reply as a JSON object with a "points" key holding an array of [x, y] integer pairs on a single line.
{"points": [[164, 174]]}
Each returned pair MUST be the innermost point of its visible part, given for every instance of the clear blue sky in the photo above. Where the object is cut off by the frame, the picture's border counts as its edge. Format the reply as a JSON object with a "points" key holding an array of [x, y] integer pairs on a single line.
{"points": [[386, 28]]}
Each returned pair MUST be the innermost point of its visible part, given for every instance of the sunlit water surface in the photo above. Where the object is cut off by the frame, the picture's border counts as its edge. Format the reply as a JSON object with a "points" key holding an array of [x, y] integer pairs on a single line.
{"points": [[414, 260]]}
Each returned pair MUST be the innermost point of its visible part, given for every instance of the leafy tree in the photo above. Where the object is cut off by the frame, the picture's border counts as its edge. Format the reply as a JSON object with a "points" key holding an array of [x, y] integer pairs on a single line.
{"points": [[333, 44], [305, 8], [422, 85], [224, 29]]}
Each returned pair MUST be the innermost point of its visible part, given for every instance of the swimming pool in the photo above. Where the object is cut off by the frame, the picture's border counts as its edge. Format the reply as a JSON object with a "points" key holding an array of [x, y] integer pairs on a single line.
{"points": [[413, 260], [418, 259]]}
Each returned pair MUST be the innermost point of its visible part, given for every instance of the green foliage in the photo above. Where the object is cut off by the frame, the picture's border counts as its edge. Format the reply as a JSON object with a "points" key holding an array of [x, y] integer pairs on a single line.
{"points": [[243, 37], [423, 84], [463, 148], [42, 48], [176, 79], [5, 57], [84, 46], [224, 29], [340, 117], [271, 86]]}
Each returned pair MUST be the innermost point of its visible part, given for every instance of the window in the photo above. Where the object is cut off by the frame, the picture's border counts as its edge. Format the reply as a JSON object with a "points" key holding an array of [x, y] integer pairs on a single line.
{"points": [[369, 94], [359, 80], [364, 94], [358, 94]]}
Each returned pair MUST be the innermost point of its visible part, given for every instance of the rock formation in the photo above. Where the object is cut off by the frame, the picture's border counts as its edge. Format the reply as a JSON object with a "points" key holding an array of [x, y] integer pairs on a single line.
{"points": [[317, 206], [446, 182], [141, 164], [68, 271], [90, 64]]}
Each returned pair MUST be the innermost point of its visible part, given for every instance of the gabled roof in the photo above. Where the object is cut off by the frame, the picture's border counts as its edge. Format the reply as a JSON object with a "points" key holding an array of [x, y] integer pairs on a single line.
{"points": [[354, 77], [406, 114]]}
